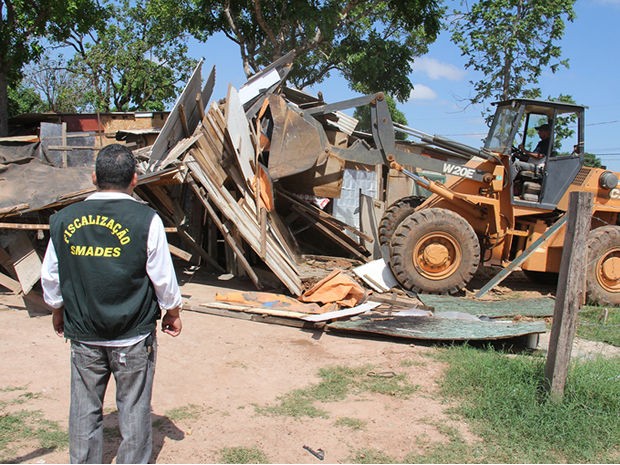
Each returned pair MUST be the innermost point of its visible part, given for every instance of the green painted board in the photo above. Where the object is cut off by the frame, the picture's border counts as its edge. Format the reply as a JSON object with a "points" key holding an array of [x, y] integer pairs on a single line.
{"points": [[535, 307], [439, 329]]}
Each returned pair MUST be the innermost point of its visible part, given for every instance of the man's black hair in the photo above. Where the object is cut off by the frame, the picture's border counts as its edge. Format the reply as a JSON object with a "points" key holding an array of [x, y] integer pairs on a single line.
{"points": [[115, 167]]}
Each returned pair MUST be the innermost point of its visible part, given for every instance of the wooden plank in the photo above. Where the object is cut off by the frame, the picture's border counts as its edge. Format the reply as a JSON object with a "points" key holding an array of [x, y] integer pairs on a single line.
{"points": [[371, 211], [179, 149], [10, 284], [189, 240], [182, 254], [343, 241], [378, 274], [14, 208], [227, 236], [172, 131], [570, 293], [25, 260], [281, 246], [64, 142], [260, 310], [238, 128], [296, 323], [201, 106], [499, 277], [26, 226], [328, 219], [362, 308], [263, 233], [226, 204]]}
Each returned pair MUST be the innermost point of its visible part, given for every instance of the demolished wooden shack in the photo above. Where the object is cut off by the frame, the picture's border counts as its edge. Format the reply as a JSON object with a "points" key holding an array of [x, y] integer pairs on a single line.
{"points": [[239, 192]]}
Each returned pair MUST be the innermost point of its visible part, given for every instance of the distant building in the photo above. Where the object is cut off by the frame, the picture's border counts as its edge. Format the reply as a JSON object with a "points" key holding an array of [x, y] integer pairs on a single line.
{"points": [[72, 139]]}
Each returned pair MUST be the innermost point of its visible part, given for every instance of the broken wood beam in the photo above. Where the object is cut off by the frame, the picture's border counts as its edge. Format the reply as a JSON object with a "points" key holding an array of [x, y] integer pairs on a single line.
{"points": [[189, 240], [326, 217], [247, 226], [226, 234], [14, 208], [27, 226], [177, 252], [343, 241], [12, 285]]}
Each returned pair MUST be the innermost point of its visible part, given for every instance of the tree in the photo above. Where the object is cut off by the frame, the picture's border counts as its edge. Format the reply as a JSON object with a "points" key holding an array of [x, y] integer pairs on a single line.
{"points": [[23, 24], [23, 99], [589, 159], [62, 91], [133, 60], [362, 114], [372, 43], [510, 43]]}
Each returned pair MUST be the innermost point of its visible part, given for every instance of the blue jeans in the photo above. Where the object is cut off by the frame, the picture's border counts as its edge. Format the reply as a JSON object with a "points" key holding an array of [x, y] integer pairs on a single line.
{"points": [[133, 368]]}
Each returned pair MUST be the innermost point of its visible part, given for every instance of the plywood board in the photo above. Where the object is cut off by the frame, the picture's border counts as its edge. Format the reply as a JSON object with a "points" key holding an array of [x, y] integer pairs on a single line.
{"points": [[358, 309], [24, 258], [377, 274], [172, 131], [238, 128]]}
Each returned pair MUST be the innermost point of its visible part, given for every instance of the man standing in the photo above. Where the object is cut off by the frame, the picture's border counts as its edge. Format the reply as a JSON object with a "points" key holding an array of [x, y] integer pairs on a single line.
{"points": [[106, 274]]}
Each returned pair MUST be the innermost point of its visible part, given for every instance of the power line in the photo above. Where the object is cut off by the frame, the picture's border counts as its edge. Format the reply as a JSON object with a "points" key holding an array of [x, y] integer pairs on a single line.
{"points": [[603, 122]]}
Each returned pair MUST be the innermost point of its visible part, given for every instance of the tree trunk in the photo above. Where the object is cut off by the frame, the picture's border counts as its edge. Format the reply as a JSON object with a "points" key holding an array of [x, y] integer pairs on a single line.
{"points": [[4, 105]]}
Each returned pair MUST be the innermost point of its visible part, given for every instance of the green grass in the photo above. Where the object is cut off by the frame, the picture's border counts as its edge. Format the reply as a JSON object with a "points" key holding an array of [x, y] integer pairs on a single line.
{"points": [[371, 456], [187, 412], [351, 423], [336, 384], [242, 455], [503, 399], [28, 427], [599, 324]]}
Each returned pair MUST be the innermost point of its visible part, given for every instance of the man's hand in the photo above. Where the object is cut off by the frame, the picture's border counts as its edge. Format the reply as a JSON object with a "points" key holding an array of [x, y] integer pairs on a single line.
{"points": [[58, 321], [171, 322]]}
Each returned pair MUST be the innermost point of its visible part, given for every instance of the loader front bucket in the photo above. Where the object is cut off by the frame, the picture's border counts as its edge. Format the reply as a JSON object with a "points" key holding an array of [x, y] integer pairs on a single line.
{"points": [[297, 144]]}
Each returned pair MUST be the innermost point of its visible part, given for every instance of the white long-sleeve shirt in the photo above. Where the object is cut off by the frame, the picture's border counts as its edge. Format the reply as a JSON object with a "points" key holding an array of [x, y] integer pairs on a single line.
{"points": [[159, 268]]}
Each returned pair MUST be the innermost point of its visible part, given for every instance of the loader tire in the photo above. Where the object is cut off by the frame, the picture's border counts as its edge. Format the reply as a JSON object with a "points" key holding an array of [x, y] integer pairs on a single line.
{"points": [[434, 251], [394, 215], [603, 266]]}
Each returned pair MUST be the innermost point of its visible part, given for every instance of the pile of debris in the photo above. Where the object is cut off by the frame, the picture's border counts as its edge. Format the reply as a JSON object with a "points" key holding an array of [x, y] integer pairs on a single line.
{"points": [[252, 171], [268, 182]]}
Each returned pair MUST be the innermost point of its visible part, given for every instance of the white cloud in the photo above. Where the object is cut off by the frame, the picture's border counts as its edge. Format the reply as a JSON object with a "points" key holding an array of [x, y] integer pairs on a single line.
{"points": [[422, 92], [435, 69]]}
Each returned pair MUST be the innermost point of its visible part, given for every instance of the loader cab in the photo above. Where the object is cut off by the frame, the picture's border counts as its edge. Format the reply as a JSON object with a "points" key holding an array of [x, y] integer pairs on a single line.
{"points": [[514, 127]]}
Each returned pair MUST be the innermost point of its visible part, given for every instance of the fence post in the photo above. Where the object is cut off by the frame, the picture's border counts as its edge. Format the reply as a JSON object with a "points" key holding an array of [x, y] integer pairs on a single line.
{"points": [[570, 293]]}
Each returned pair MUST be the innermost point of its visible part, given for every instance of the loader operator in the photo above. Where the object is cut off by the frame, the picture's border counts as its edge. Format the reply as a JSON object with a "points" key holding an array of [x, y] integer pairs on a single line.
{"points": [[107, 273], [536, 160]]}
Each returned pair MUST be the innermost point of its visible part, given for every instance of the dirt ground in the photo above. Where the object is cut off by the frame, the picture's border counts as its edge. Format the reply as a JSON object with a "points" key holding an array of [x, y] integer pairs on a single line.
{"points": [[221, 369]]}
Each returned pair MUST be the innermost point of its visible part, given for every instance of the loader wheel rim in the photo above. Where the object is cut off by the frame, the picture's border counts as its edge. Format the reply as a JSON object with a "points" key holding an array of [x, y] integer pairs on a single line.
{"points": [[608, 270], [437, 255]]}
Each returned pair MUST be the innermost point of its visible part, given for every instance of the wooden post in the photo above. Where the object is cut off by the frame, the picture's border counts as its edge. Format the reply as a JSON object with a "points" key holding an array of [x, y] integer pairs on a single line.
{"points": [[63, 154], [570, 292]]}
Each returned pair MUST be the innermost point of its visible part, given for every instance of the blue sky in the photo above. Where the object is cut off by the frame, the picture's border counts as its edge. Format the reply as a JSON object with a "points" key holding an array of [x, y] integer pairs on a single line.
{"points": [[442, 84]]}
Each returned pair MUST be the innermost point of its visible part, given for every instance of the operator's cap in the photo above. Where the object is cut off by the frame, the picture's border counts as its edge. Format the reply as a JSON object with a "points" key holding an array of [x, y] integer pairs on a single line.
{"points": [[543, 126]]}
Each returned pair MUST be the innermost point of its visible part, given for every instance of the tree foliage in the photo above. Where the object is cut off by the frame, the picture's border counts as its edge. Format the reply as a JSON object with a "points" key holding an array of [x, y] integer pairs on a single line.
{"points": [[372, 43], [510, 43], [589, 159], [133, 60], [362, 114], [23, 24], [61, 90], [22, 99]]}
